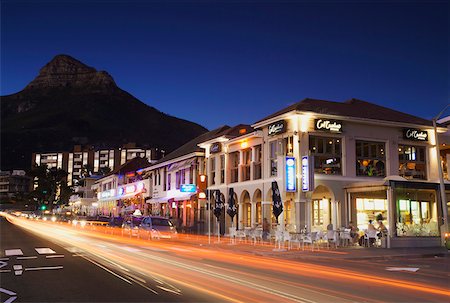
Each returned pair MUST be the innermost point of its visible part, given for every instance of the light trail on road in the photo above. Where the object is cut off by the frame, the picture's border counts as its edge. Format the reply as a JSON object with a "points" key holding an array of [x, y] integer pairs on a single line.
{"points": [[225, 275]]}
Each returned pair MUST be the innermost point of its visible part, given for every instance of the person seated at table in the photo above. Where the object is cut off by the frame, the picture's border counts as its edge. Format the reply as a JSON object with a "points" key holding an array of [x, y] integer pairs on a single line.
{"points": [[353, 231], [370, 231], [330, 226], [382, 229]]}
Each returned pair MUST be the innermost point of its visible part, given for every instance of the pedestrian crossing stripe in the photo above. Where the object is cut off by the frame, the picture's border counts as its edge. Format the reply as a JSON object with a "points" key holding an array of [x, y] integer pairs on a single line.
{"points": [[45, 251]]}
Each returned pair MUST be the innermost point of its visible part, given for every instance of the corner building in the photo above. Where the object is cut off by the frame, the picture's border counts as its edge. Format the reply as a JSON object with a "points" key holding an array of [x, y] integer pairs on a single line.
{"points": [[334, 162]]}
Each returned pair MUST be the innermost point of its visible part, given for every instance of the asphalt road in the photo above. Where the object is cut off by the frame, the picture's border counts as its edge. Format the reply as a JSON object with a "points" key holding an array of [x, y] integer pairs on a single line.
{"points": [[178, 270], [60, 275]]}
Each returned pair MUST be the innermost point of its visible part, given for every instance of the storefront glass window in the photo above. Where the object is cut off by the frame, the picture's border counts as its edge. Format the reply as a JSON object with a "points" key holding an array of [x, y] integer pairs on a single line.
{"points": [[327, 155], [222, 169], [247, 155], [370, 159], [234, 167], [212, 179], [370, 209], [257, 163], [273, 157], [416, 213], [412, 164]]}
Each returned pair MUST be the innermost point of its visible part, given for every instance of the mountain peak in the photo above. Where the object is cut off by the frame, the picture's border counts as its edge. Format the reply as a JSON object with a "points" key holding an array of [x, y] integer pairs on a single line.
{"points": [[66, 71]]}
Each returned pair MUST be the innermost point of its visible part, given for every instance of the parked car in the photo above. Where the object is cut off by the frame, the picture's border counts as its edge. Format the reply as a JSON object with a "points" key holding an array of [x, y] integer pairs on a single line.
{"points": [[159, 227], [131, 225]]}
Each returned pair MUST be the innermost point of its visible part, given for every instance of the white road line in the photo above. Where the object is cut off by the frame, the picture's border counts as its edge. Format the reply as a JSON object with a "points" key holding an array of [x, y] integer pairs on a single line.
{"points": [[154, 249], [4, 259], [108, 270], [18, 270], [13, 252], [26, 258], [45, 251], [43, 268], [8, 292], [5, 270], [17, 267], [3, 264], [130, 249], [54, 256]]}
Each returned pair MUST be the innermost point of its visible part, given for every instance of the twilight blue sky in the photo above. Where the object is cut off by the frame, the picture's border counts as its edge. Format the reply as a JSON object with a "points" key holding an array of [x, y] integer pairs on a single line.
{"points": [[230, 62]]}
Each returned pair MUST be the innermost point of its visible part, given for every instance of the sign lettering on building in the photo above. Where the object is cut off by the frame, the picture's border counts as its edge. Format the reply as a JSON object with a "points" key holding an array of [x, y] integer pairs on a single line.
{"points": [[188, 188], [277, 128], [291, 179], [415, 134], [215, 148], [334, 126]]}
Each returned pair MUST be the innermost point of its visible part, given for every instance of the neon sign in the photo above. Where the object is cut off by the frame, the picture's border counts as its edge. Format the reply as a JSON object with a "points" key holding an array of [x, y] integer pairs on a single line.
{"points": [[291, 185]]}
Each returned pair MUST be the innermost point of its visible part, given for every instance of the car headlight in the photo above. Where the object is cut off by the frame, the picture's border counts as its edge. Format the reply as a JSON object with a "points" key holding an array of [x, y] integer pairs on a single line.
{"points": [[53, 219]]}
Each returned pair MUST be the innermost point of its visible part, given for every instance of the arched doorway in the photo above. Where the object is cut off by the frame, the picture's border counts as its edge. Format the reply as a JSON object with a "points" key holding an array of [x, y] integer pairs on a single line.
{"points": [[258, 206], [246, 209], [321, 208]]}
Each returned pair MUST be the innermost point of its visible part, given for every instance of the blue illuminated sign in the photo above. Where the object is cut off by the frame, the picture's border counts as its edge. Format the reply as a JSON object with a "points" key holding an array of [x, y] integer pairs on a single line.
{"points": [[305, 174], [188, 188], [291, 180]]}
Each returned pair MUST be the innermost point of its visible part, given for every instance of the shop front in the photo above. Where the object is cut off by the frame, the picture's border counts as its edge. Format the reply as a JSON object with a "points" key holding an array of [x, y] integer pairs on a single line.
{"points": [[410, 210]]}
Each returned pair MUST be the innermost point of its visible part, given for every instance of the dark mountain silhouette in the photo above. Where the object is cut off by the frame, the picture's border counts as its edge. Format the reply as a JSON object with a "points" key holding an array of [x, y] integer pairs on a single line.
{"points": [[71, 103]]}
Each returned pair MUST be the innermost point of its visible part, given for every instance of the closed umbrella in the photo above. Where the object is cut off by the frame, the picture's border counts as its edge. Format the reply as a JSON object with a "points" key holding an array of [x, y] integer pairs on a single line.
{"points": [[277, 207], [218, 207], [231, 210]]}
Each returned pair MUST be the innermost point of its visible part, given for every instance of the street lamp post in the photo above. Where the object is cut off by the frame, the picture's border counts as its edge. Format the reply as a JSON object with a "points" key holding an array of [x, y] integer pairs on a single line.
{"points": [[441, 175]]}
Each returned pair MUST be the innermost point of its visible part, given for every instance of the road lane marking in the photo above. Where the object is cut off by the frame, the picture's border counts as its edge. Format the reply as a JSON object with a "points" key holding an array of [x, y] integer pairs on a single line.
{"points": [[154, 249], [45, 251], [26, 258], [108, 270], [4, 259], [11, 293], [5, 270], [130, 249], [13, 252], [54, 256], [18, 270], [43, 268], [3, 264], [408, 269]]}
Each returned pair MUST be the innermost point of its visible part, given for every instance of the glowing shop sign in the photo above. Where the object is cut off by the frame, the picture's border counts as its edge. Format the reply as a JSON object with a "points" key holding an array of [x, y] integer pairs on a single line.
{"points": [[306, 177], [188, 188], [277, 128], [106, 194], [415, 134], [291, 184], [130, 189], [328, 125]]}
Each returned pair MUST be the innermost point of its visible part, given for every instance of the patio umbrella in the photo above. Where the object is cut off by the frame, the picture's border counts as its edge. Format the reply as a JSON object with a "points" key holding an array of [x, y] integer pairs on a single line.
{"points": [[277, 208], [231, 210], [218, 205]]}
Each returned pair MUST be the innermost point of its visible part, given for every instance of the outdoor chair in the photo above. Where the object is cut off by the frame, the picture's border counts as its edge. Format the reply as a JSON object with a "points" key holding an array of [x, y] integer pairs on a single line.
{"points": [[240, 234], [370, 237], [310, 238], [332, 238], [232, 233], [346, 236], [257, 235], [287, 238]]}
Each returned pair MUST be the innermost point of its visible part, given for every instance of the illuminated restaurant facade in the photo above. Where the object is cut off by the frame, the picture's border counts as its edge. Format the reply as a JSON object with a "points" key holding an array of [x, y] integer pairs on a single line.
{"points": [[334, 162]]}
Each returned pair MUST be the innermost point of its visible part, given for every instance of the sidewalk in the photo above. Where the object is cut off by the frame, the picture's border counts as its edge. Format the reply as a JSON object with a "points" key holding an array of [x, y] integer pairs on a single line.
{"points": [[353, 252]]}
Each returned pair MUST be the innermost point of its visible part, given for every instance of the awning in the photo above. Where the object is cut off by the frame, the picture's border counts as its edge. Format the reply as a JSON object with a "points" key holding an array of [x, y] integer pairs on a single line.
{"points": [[157, 200], [181, 164], [188, 196]]}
